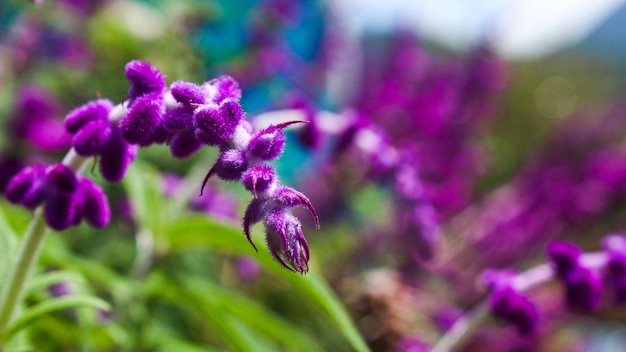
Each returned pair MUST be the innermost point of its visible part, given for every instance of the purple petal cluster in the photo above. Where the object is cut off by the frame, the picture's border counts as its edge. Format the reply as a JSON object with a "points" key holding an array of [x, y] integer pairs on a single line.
{"points": [[66, 198], [207, 114], [36, 119], [509, 304], [142, 124], [94, 135], [583, 286], [615, 248], [284, 235]]}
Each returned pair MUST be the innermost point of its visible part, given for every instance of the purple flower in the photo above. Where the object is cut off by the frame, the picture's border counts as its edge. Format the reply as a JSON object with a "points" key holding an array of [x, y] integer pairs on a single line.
{"points": [[507, 303], [583, 286], [259, 179], [207, 114], [66, 198], [144, 79], [94, 135], [36, 119], [247, 268], [143, 120], [284, 235], [217, 124], [286, 240]]}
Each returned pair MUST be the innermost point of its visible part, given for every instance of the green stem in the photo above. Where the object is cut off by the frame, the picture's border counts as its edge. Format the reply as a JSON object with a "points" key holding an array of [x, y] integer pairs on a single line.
{"points": [[28, 254]]}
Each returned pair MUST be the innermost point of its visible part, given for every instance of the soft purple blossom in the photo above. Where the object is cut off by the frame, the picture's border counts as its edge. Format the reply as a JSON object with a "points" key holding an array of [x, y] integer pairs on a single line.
{"points": [[66, 198]]}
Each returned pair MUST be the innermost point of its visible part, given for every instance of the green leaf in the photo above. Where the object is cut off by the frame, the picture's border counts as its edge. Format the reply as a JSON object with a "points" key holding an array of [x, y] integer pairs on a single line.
{"points": [[252, 313], [235, 333], [8, 242], [194, 232], [52, 305]]}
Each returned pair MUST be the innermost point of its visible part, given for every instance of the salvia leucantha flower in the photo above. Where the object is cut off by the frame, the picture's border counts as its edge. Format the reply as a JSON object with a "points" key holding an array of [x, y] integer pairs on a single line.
{"points": [[186, 116], [67, 198], [583, 285], [94, 135], [507, 303]]}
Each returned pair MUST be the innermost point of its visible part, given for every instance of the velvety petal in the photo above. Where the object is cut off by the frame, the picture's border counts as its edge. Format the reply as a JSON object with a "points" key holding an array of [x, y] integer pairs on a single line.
{"points": [[96, 205], [142, 120], [184, 144], [231, 164], [259, 179], [178, 119], [90, 139], [187, 93], [115, 156], [94, 110], [144, 78]]}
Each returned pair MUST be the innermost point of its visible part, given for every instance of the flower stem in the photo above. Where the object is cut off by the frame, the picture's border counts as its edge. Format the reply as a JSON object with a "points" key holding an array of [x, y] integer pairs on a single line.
{"points": [[27, 256]]}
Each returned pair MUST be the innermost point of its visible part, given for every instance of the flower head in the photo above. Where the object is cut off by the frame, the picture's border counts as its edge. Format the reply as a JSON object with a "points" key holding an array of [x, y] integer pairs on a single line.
{"points": [[286, 240]]}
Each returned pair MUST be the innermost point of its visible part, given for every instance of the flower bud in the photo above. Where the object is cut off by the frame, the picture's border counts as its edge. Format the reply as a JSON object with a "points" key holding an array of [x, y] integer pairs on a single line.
{"points": [[144, 78], [184, 143], [94, 110], [231, 164], [91, 137], [142, 120], [216, 125], [115, 156], [187, 93], [286, 240], [259, 179], [95, 205]]}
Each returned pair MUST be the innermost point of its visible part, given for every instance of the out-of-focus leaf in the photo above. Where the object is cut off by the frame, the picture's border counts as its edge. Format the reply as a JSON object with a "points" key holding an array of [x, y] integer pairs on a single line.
{"points": [[252, 314], [196, 232], [52, 305], [230, 328], [143, 185], [8, 240]]}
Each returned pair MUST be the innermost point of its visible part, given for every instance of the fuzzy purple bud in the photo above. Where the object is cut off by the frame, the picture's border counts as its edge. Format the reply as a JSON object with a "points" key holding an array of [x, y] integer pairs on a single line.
{"points": [[583, 289], [94, 110], [258, 179], [514, 308], [184, 143], [289, 197], [59, 207], [222, 88], [187, 93], [563, 256], [91, 137], [216, 125], [61, 178], [142, 120], [95, 205], [144, 78], [179, 119], [268, 144], [286, 240], [115, 156], [20, 188], [231, 164]]}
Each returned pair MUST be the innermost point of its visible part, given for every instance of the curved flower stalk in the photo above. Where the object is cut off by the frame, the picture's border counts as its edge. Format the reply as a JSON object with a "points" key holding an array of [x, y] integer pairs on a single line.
{"points": [[584, 277]]}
